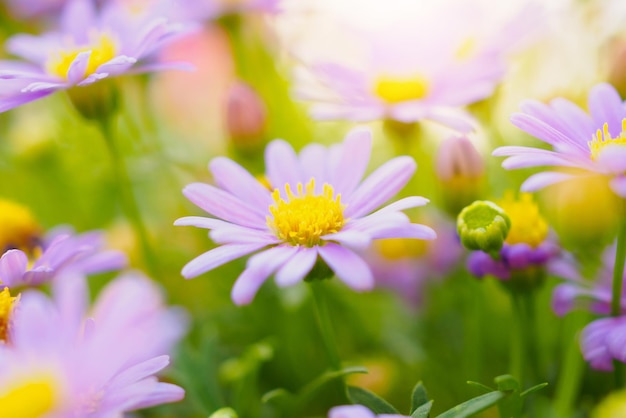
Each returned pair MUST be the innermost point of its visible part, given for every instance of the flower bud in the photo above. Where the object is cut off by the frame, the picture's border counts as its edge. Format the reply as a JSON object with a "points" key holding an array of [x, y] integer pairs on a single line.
{"points": [[484, 226], [460, 170], [246, 117]]}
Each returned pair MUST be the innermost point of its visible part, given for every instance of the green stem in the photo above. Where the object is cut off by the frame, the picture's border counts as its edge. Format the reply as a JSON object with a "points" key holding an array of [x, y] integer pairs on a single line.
{"points": [[127, 196], [517, 340], [325, 324], [618, 281], [529, 326], [573, 366]]}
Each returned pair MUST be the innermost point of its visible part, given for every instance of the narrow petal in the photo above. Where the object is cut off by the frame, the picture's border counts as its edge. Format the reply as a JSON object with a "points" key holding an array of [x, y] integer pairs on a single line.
{"points": [[547, 133], [216, 257], [237, 234], [314, 162], [349, 267], [546, 158], [351, 238], [402, 204], [224, 205], [540, 180], [380, 186], [259, 268], [202, 222], [297, 267], [606, 106], [281, 164], [612, 159], [233, 178], [416, 231], [13, 264], [352, 162], [78, 67]]}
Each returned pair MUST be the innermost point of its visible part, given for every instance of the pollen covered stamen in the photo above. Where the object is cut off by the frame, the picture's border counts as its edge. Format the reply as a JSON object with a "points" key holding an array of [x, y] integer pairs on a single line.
{"points": [[527, 224], [304, 217], [102, 47], [603, 138], [400, 89]]}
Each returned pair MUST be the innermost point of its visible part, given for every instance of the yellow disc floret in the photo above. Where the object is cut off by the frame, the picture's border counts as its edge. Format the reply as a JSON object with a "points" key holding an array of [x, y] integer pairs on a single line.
{"points": [[18, 228], [7, 303], [527, 224], [603, 138], [304, 217], [102, 47], [401, 89], [32, 397]]}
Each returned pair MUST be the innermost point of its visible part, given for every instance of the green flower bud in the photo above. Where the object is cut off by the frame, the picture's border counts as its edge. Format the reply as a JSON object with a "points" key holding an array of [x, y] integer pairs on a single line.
{"points": [[224, 413], [484, 226]]}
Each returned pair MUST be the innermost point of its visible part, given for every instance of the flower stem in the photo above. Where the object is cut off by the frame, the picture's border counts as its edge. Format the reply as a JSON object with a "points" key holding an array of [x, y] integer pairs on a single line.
{"points": [[325, 324], [128, 202], [618, 281], [518, 342]]}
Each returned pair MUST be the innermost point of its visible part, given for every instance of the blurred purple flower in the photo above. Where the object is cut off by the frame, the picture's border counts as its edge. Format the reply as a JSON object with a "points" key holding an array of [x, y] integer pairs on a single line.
{"points": [[33, 8], [212, 9], [81, 253], [90, 45], [407, 266], [68, 362], [580, 292], [603, 341], [358, 411], [589, 142], [425, 65], [319, 208]]}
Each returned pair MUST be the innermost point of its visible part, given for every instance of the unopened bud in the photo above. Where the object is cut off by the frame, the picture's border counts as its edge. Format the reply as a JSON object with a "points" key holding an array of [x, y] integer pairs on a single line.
{"points": [[460, 171], [246, 117], [484, 226]]}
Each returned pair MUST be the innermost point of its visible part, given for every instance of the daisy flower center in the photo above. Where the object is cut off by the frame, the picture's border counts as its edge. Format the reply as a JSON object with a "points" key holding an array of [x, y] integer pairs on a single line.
{"points": [[527, 224], [18, 228], [603, 138], [102, 47], [7, 303], [31, 398], [304, 217], [401, 89]]}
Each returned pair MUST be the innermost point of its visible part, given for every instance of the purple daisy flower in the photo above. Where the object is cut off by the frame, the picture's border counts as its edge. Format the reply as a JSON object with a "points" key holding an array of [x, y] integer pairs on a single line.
{"points": [[71, 362], [603, 341], [358, 411], [90, 45], [212, 9], [416, 68], [82, 253], [318, 208], [582, 142]]}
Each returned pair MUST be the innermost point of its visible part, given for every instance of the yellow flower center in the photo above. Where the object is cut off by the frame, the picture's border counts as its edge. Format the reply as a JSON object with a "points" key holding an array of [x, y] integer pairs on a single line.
{"points": [[527, 224], [613, 406], [102, 47], [401, 89], [18, 228], [30, 398], [304, 217], [603, 138], [7, 303]]}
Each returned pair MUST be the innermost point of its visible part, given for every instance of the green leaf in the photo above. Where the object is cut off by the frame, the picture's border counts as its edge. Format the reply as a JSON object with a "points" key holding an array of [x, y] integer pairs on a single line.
{"points": [[277, 396], [468, 408], [224, 413], [419, 396], [423, 410], [480, 385], [370, 400], [533, 389]]}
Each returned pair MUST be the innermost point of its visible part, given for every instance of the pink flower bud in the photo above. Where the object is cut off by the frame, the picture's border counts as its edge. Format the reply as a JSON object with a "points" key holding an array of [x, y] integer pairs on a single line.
{"points": [[245, 116], [457, 158]]}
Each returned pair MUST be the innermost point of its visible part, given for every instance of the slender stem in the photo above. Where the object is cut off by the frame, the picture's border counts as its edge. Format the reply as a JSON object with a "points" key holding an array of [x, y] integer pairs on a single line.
{"points": [[573, 366], [529, 326], [127, 195], [618, 281], [325, 324], [517, 340]]}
